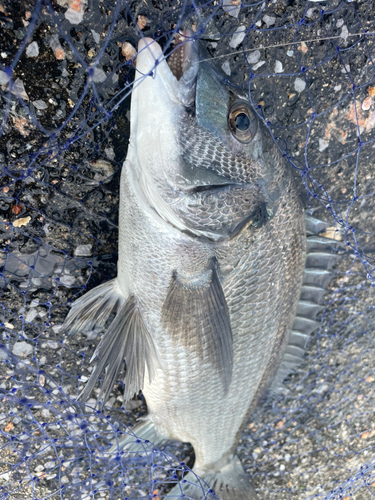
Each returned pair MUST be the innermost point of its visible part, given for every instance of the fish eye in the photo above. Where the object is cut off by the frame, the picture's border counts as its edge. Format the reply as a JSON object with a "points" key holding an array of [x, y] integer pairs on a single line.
{"points": [[242, 122]]}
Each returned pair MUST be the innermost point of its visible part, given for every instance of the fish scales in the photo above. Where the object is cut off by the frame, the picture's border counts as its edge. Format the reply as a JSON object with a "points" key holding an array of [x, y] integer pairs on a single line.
{"points": [[212, 254]]}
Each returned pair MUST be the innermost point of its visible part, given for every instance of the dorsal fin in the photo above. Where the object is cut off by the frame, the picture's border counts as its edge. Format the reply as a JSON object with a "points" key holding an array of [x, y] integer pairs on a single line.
{"points": [[321, 255]]}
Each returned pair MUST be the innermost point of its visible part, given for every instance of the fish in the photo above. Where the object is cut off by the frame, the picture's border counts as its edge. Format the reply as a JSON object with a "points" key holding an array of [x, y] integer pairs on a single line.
{"points": [[211, 303]]}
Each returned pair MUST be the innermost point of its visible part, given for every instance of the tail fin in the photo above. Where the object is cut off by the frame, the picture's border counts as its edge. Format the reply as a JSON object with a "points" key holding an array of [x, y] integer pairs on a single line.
{"points": [[230, 482]]}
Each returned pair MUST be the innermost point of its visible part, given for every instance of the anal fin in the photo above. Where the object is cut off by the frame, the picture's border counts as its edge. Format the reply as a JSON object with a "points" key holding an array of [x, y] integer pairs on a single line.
{"points": [[143, 431]]}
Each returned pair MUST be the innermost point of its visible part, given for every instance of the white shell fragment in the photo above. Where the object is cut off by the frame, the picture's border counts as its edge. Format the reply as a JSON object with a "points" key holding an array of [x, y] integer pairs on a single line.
{"points": [[299, 84], [238, 37], [258, 65], [32, 50], [226, 68], [279, 67]]}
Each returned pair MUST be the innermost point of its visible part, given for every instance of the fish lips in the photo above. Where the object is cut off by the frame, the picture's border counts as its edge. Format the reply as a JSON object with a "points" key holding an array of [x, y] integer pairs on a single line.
{"points": [[178, 74]]}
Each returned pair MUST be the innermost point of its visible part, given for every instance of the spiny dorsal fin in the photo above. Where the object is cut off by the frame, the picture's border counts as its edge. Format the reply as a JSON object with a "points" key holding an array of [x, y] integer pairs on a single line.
{"points": [[195, 314]]}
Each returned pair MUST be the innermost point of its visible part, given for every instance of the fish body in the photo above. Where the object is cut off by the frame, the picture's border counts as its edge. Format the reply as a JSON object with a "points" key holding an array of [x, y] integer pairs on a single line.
{"points": [[211, 259]]}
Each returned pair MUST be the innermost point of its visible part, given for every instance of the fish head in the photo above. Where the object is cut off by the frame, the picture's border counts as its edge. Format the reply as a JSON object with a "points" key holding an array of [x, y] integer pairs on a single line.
{"points": [[195, 138]]}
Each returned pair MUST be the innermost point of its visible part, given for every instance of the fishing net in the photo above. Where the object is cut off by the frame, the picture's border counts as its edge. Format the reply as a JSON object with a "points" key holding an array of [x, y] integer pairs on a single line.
{"points": [[66, 72]]}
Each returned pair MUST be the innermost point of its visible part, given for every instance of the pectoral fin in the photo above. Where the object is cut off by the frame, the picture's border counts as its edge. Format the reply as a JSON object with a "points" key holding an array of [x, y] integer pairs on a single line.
{"points": [[127, 338], [195, 314]]}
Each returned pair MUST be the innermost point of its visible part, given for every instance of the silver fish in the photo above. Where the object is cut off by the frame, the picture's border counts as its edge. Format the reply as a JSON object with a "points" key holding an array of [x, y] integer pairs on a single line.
{"points": [[211, 259]]}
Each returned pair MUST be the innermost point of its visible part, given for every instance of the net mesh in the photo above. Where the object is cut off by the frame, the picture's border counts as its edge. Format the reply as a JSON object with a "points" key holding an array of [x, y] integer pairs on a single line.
{"points": [[66, 72]]}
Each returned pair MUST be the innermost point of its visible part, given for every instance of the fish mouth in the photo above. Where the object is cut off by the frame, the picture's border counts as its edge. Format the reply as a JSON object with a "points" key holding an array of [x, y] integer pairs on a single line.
{"points": [[179, 69]]}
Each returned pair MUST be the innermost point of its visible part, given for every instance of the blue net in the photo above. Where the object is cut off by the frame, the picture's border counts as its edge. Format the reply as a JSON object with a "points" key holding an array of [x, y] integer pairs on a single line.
{"points": [[66, 73]]}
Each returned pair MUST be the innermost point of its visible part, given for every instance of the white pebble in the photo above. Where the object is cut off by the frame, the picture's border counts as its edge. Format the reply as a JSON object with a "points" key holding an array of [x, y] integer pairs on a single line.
{"points": [[344, 33], [83, 251], [290, 53], [73, 16], [346, 69], [340, 23], [336, 88], [238, 37], [279, 67], [226, 68], [258, 65], [31, 315], [323, 144], [19, 89], [299, 84], [32, 50], [282, 467], [39, 104], [99, 75], [269, 21], [4, 78], [67, 280], [310, 12], [39, 468], [258, 24], [253, 57], [22, 349], [95, 36], [233, 10]]}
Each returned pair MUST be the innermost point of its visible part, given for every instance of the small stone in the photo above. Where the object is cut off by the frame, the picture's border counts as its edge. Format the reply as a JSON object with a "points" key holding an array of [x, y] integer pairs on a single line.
{"points": [[299, 84], [31, 315], [258, 65], [310, 13], [39, 468], [232, 7], [83, 251], [53, 345], [96, 36], [4, 78], [22, 349], [39, 104], [99, 75], [346, 69], [344, 33], [290, 53], [279, 67], [32, 50], [339, 23], [323, 144], [74, 16], [336, 88], [226, 68], [258, 24], [67, 280], [253, 57], [269, 21], [19, 89], [238, 37]]}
